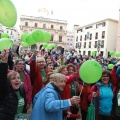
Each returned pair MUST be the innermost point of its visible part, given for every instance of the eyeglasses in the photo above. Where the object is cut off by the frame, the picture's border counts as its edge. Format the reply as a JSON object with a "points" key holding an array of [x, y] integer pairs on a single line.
{"points": [[105, 77]]}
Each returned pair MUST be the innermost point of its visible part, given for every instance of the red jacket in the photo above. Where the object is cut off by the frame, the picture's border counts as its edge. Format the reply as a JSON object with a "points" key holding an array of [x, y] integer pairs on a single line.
{"points": [[36, 78], [66, 91], [114, 79]]}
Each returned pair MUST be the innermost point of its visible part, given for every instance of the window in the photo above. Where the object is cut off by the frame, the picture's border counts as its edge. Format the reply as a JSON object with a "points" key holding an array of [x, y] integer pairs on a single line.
{"points": [[85, 37], [103, 34], [44, 25], [61, 27], [76, 45], [88, 27], [90, 36], [68, 39], [52, 26], [102, 24], [89, 44], [11, 33], [79, 30], [102, 44], [84, 52], [35, 24], [81, 38], [26, 23], [76, 38], [52, 38], [89, 53], [96, 35], [60, 38], [84, 44], [80, 44], [95, 44]]}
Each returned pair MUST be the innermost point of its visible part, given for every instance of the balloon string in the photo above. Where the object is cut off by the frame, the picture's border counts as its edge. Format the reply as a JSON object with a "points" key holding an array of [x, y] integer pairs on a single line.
{"points": [[81, 89]]}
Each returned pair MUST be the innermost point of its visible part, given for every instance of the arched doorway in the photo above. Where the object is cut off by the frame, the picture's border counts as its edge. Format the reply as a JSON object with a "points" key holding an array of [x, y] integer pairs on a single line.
{"points": [[34, 47]]}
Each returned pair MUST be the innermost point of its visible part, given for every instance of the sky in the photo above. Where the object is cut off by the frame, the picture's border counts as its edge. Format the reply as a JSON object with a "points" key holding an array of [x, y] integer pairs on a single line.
{"points": [[80, 12]]}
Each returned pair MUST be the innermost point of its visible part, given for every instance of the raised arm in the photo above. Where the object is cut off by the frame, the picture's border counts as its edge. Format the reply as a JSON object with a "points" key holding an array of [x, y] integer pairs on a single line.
{"points": [[4, 85], [33, 67]]}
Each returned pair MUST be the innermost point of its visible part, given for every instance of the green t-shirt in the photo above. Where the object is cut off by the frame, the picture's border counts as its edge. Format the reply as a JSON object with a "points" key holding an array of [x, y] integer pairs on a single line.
{"points": [[21, 103], [22, 77]]}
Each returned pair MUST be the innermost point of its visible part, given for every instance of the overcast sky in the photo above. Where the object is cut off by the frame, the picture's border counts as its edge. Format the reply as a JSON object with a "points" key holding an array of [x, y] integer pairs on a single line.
{"points": [[81, 12]]}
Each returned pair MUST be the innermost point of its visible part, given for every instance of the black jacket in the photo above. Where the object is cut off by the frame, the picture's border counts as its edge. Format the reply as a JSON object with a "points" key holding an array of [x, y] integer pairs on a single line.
{"points": [[8, 97]]}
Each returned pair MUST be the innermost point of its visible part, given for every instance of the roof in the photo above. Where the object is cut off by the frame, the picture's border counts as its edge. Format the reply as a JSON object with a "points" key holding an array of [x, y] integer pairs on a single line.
{"points": [[107, 19], [42, 18]]}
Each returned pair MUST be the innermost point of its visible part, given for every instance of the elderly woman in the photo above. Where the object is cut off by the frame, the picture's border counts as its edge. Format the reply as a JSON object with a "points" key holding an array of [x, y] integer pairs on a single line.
{"points": [[47, 103], [37, 73], [12, 93]]}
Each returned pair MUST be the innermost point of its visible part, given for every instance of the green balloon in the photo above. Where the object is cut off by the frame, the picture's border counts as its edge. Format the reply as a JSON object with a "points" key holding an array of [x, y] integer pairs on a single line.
{"points": [[112, 53], [54, 45], [23, 36], [30, 40], [117, 54], [45, 45], [24, 44], [49, 47], [110, 66], [93, 53], [47, 37], [90, 71], [5, 43], [38, 35], [8, 14], [4, 35]]}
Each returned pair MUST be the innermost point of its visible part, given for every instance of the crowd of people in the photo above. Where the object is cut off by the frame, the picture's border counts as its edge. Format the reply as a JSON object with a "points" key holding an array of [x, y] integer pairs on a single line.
{"points": [[49, 84]]}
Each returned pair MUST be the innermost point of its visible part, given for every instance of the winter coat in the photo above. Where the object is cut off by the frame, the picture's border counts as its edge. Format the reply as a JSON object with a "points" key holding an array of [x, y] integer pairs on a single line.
{"points": [[47, 105], [8, 97]]}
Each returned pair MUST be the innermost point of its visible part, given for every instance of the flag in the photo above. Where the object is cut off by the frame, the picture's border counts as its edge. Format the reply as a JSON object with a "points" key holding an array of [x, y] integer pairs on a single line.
{"points": [[51, 12]]}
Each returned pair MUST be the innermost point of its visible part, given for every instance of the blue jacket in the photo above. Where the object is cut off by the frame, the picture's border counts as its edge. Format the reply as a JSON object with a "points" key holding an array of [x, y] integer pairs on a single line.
{"points": [[47, 105]]}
